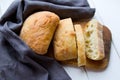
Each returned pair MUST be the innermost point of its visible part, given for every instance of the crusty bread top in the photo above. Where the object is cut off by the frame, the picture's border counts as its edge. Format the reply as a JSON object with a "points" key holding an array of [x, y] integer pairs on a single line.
{"points": [[38, 29], [64, 41]]}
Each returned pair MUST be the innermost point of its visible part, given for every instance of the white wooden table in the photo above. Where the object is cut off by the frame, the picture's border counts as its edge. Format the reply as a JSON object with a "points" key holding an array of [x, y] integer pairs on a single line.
{"points": [[108, 13]]}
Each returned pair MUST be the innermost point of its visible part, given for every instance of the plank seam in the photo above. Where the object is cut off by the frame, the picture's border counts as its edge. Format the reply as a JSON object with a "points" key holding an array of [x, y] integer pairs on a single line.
{"points": [[86, 73], [115, 49]]}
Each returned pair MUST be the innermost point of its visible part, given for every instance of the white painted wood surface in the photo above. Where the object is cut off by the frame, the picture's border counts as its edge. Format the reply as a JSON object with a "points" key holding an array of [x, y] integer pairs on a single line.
{"points": [[111, 73], [108, 13]]}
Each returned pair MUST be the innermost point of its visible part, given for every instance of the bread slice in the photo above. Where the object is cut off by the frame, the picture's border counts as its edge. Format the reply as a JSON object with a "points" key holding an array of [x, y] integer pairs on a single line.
{"points": [[64, 42], [93, 33], [80, 45]]}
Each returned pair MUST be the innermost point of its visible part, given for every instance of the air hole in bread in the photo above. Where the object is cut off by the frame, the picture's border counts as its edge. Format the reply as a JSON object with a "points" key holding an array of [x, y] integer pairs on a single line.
{"points": [[94, 56], [90, 50], [91, 44], [91, 25], [88, 34]]}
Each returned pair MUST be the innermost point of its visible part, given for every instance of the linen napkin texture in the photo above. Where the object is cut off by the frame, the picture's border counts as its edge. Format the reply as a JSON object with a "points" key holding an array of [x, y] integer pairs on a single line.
{"points": [[17, 60]]}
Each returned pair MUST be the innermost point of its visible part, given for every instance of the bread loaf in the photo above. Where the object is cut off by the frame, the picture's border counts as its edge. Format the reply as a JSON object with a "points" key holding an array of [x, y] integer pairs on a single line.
{"points": [[81, 59], [64, 41], [93, 33], [38, 29]]}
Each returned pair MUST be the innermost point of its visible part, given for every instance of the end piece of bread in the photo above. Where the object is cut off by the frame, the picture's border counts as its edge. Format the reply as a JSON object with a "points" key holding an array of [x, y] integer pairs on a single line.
{"points": [[80, 45], [93, 33], [102, 64], [64, 41], [38, 30]]}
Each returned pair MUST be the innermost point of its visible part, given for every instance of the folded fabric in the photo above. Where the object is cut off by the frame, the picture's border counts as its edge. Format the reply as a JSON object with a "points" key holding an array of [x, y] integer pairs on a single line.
{"points": [[17, 60]]}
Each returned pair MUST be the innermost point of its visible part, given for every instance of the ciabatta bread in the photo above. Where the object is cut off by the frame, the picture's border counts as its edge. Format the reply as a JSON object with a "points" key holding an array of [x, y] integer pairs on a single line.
{"points": [[64, 41], [38, 30], [93, 33], [81, 59], [92, 64]]}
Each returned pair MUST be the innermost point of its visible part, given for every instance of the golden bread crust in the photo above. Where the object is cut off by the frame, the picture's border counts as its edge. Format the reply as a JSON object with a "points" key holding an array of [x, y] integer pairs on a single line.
{"points": [[38, 30], [64, 41]]}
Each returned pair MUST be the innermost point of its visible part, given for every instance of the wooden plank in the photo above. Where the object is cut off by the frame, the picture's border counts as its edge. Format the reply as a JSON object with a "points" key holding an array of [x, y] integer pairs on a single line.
{"points": [[76, 73], [111, 72]]}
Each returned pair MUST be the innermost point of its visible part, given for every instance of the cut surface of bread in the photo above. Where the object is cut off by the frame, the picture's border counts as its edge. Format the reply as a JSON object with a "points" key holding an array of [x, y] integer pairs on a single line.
{"points": [[81, 59], [93, 33], [64, 41]]}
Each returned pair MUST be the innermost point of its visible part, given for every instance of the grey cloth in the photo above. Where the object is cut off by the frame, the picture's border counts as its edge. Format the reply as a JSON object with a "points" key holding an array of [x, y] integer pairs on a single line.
{"points": [[17, 60]]}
